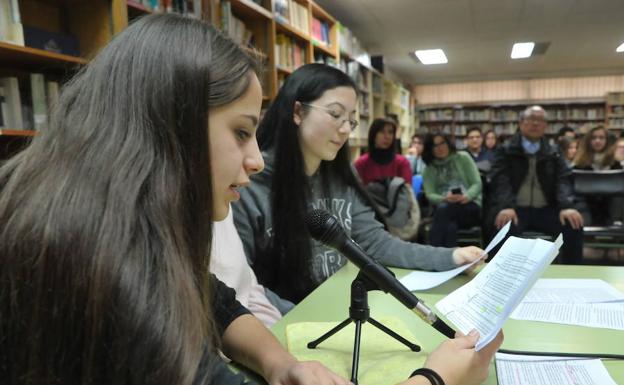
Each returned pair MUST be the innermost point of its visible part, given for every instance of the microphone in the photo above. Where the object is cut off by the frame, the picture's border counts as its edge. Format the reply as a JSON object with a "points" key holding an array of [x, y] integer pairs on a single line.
{"points": [[326, 229]]}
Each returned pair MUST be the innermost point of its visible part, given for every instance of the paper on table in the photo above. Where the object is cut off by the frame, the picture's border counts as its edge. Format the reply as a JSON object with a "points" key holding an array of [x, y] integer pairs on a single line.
{"points": [[539, 370], [598, 315], [486, 301], [423, 280], [552, 290]]}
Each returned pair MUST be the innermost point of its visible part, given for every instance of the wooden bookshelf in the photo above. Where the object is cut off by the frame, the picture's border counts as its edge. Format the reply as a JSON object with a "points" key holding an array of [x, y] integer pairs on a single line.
{"points": [[615, 111], [8, 132], [503, 118], [27, 58], [250, 10]]}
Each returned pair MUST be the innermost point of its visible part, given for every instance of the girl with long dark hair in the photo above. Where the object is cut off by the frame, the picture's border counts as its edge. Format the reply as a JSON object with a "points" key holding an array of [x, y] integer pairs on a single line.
{"points": [[303, 137], [106, 221]]}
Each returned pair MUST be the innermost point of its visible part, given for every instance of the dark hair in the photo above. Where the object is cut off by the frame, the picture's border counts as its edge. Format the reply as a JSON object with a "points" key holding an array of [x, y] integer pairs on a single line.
{"points": [[488, 132], [290, 191], [585, 153], [381, 155], [473, 129], [107, 215], [427, 154], [419, 136], [565, 129]]}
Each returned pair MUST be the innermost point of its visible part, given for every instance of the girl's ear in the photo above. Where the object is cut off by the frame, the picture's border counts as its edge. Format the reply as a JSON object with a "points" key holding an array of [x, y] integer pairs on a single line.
{"points": [[297, 118]]}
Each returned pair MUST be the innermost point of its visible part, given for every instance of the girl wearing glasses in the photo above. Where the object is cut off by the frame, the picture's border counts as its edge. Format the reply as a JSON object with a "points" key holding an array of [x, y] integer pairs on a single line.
{"points": [[303, 137]]}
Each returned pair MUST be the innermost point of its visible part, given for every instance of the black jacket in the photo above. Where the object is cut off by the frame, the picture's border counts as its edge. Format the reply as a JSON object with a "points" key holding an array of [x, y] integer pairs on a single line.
{"points": [[510, 167]]}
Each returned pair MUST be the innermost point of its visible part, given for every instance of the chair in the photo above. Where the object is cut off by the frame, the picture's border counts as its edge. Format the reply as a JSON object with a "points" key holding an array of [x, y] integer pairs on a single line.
{"points": [[608, 183]]}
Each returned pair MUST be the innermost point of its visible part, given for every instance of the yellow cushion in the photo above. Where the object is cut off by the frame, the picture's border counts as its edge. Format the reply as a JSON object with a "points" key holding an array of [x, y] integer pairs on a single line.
{"points": [[383, 360]]}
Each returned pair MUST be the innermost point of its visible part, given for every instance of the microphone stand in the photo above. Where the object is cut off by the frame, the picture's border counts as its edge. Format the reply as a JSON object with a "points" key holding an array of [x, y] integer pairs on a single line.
{"points": [[359, 312]]}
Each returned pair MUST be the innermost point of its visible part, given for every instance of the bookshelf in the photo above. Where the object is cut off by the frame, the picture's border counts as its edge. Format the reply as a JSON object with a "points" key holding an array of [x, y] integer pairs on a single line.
{"points": [[285, 34], [31, 72], [615, 111], [503, 117]]}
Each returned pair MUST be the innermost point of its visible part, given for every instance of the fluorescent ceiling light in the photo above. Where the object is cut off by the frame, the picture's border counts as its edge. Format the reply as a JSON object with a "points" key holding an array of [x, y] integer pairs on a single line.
{"points": [[522, 50], [431, 56], [620, 48]]}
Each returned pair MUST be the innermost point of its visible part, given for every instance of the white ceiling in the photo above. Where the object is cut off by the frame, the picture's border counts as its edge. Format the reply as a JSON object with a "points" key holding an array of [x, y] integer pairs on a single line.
{"points": [[477, 36]]}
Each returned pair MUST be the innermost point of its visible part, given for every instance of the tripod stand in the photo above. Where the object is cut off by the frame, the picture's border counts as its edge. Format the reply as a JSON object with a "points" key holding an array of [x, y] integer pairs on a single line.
{"points": [[359, 313]]}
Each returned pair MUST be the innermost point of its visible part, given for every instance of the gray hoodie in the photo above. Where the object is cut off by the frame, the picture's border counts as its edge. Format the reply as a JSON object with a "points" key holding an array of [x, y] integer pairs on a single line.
{"points": [[253, 219]]}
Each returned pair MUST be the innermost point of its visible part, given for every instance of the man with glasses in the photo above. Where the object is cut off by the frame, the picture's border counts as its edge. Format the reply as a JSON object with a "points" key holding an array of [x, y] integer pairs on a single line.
{"points": [[532, 186]]}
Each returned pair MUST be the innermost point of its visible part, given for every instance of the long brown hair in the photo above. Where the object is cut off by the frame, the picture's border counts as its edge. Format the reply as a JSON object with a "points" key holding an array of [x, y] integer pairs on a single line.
{"points": [[585, 155], [106, 217]]}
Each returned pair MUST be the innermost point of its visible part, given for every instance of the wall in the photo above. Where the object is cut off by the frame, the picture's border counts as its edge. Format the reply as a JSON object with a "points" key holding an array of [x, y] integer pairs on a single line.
{"points": [[518, 90]]}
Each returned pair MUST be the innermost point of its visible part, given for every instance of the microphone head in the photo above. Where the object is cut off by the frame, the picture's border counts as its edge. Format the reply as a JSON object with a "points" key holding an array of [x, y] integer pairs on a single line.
{"points": [[325, 228]]}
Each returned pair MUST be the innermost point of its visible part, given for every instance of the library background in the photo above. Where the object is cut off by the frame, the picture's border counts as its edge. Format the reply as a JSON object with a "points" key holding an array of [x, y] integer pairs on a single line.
{"points": [[43, 42]]}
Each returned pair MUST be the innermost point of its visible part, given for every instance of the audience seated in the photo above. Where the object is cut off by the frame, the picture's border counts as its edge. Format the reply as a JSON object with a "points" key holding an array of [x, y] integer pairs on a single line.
{"points": [[452, 184], [596, 152], [531, 186]]}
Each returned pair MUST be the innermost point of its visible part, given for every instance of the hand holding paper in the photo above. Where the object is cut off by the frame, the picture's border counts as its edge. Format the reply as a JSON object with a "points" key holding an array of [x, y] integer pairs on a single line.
{"points": [[487, 301]]}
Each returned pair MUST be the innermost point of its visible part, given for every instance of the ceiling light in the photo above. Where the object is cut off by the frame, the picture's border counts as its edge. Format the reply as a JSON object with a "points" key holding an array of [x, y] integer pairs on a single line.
{"points": [[620, 48], [431, 56], [522, 50]]}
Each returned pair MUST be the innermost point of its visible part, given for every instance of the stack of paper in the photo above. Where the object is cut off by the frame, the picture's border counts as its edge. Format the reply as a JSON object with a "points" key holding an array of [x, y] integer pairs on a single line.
{"points": [[487, 300], [541, 370], [583, 302]]}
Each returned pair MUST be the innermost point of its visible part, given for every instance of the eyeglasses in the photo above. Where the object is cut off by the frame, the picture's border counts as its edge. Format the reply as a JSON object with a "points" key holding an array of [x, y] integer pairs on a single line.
{"points": [[436, 145], [339, 118]]}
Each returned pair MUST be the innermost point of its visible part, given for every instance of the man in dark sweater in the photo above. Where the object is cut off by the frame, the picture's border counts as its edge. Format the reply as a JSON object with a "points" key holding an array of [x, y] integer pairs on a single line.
{"points": [[532, 186]]}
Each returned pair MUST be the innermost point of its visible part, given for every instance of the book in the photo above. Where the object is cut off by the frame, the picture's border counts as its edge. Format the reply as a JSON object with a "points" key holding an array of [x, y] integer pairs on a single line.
{"points": [[52, 92], [13, 118], [11, 29], [489, 298], [39, 102]]}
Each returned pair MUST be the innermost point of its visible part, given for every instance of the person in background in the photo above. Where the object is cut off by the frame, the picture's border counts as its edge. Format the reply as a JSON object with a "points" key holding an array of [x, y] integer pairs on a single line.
{"points": [[452, 184], [229, 263], [619, 151], [596, 152], [381, 161], [565, 131], [397, 135], [532, 187], [475, 148], [304, 142], [104, 276], [414, 155], [491, 140], [568, 148]]}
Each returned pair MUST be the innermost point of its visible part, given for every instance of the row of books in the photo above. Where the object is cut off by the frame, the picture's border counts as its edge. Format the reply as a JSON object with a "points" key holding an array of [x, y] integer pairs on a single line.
{"points": [[26, 106], [190, 8], [348, 43], [289, 53], [292, 13], [615, 98], [11, 30], [504, 115], [320, 31], [616, 123], [324, 59], [234, 26]]}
